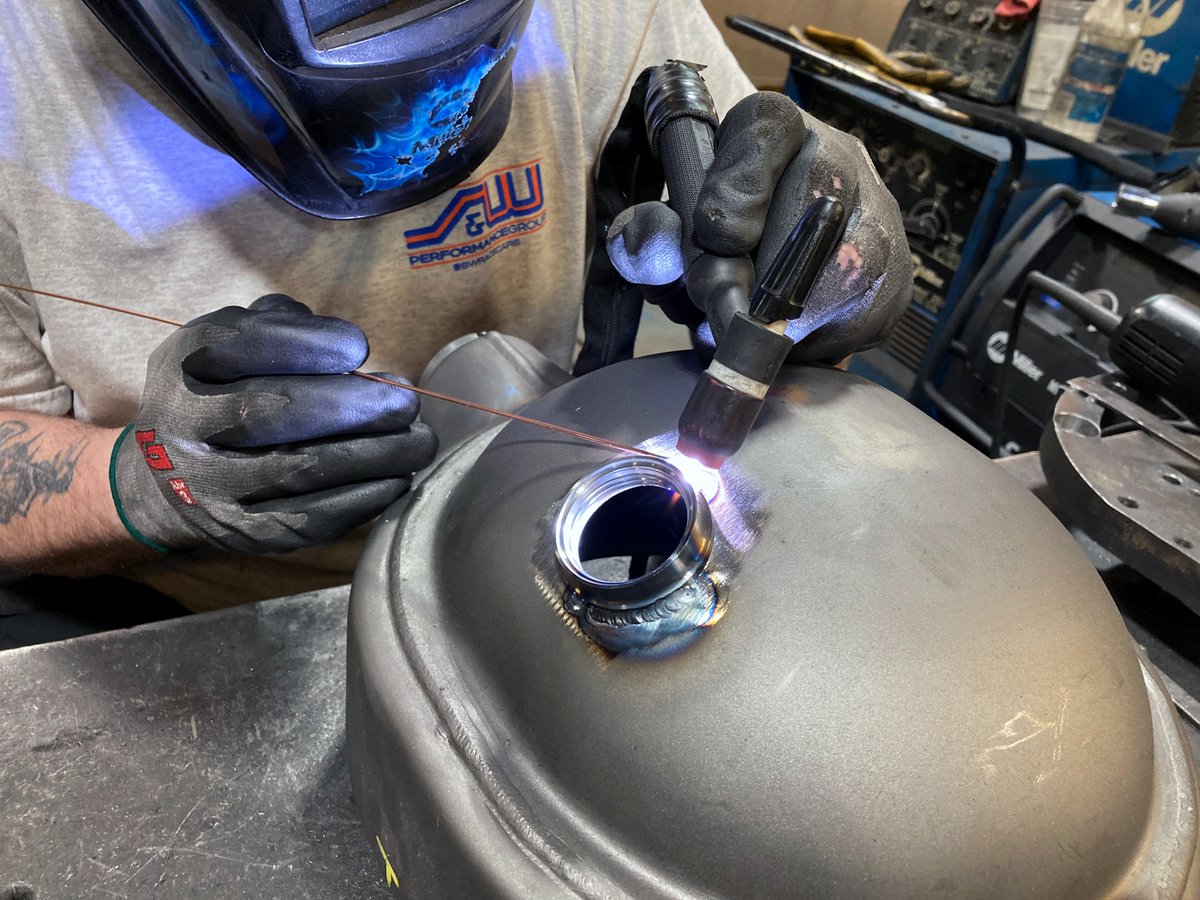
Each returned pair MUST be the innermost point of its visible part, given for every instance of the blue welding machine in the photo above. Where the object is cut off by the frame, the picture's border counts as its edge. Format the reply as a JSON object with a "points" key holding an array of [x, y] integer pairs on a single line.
{"points": [[1158, 101], [952, 184]]}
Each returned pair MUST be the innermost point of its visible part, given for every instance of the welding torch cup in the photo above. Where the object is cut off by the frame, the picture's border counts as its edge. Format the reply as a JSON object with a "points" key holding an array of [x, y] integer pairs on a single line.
{"points": [[726, 401]]}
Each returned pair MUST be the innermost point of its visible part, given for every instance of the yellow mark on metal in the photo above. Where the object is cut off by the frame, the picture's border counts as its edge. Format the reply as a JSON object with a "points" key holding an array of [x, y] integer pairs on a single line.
{"points": [[392, 880]]}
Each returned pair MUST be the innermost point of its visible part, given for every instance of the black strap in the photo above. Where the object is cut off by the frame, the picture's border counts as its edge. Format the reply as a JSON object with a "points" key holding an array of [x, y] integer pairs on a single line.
{"points": [[628, 174]]}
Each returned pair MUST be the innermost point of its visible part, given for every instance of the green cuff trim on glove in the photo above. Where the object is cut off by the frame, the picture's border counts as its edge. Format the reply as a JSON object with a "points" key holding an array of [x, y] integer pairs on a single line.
{"points": [[112, 486]]}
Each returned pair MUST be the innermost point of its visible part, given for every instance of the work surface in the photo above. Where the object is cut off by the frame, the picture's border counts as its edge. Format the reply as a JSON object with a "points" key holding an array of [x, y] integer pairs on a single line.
{"points": [[202, 757], [198, 757]]}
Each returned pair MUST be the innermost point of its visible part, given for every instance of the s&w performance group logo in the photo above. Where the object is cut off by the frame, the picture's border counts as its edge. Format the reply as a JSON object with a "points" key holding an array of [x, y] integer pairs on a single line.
{"points": [[481, 219]]}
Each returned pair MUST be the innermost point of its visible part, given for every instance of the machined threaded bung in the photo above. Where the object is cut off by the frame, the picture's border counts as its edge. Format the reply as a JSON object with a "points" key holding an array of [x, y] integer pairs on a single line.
{"points": [[631, 532]]}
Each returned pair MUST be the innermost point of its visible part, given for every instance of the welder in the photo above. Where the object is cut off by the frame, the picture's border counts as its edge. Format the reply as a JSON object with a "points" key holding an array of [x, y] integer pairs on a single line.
{"points": [[408, 172]]}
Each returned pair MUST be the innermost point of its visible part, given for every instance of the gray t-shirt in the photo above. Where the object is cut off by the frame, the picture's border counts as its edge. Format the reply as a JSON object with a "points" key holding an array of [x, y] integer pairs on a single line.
{"points": [[108, 192]]}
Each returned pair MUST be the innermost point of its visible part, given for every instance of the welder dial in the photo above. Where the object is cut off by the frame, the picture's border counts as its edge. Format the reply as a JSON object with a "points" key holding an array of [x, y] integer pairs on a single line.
{"points": [[932, 214], [918, 167]]}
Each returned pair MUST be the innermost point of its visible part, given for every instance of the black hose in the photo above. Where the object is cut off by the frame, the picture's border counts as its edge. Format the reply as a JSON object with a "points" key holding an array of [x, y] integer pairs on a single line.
{"points": [[1096, 154], [681, 120], [925, 389], [1010, 351], [946, 407], [966, 302], [1065, 295]]}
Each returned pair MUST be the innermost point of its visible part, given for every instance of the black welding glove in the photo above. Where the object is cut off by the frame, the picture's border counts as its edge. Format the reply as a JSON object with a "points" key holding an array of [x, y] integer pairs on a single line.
{"points": [[252, 436], [771, 161]]}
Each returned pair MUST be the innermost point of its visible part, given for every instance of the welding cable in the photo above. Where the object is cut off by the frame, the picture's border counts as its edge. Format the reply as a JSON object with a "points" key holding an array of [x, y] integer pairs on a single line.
{"points": [[1038, 281], [968, 302], [992, 118]]}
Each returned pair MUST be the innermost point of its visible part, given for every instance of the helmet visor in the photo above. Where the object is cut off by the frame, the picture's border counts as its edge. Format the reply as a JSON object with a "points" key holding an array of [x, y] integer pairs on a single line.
{"points": [[344, 109]]}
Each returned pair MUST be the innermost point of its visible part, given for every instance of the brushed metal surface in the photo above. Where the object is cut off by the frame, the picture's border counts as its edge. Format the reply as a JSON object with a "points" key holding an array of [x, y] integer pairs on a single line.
{"points": [[920, 686]]}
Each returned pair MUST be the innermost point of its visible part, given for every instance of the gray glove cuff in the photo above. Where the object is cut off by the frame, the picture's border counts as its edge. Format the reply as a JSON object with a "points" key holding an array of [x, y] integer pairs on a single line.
{"points": [[141, 502]]}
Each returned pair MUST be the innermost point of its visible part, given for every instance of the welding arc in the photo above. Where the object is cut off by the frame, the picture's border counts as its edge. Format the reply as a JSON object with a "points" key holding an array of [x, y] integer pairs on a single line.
{"points": [[424, 392]]}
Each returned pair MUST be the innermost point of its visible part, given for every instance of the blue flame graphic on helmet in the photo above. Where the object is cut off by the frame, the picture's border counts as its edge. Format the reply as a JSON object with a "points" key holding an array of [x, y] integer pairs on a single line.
{"points": [[244, 93], [413, 130]]}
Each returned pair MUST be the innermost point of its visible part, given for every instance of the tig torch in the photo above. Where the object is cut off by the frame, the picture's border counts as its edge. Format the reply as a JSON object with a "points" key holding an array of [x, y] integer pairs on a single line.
{"points": [[1155, 343], [1177, 213], [748, 318]]}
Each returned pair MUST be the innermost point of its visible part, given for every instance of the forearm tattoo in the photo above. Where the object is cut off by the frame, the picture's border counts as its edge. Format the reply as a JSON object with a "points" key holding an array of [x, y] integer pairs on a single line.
{"points": [[24, 478]]}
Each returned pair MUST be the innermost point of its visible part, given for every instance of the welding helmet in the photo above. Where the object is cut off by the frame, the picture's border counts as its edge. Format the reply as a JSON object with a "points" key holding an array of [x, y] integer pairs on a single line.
{"points": [[344, 108]]}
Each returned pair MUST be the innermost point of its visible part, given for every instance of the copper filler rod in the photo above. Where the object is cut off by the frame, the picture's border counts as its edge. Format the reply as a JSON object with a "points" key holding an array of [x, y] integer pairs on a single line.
{"points": [[424, 392]]}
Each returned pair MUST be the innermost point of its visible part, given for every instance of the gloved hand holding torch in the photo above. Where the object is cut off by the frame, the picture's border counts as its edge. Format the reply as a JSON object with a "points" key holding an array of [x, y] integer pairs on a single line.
{"points": [[253, 437], [770, 161], [783, 235]]}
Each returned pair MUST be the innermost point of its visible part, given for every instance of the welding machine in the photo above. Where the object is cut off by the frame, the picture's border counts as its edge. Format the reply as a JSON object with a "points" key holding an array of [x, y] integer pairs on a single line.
{"points": [[1157, 104], [1116, 260], [968, 39], [953, 185], [962, 180]]}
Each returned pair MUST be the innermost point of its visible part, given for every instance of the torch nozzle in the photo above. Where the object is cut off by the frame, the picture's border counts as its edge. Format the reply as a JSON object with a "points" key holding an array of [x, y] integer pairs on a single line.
{"points": [[726, 401]]}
